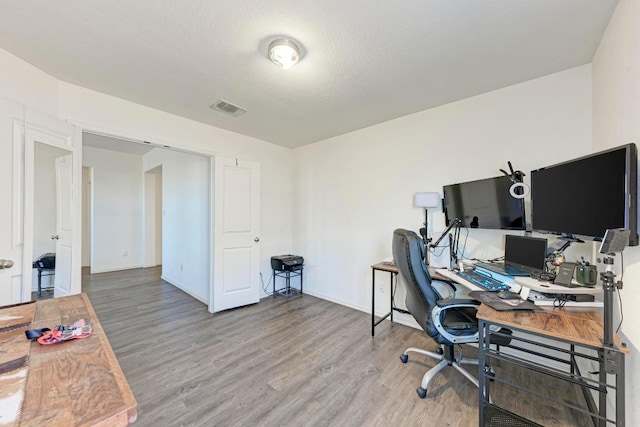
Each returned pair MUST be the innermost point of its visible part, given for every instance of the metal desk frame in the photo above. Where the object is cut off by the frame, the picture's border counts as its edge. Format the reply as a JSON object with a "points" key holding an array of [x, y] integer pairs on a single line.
{"points": [[569, 348], [393, 273]]}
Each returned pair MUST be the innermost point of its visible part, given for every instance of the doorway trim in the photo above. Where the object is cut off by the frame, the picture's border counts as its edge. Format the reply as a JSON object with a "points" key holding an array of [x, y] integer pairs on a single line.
{"points": [[40, 127]]}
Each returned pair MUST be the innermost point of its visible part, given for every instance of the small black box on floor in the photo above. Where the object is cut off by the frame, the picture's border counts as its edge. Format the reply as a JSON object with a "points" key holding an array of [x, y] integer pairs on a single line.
{"points": [[287, 267], [286, 262]]}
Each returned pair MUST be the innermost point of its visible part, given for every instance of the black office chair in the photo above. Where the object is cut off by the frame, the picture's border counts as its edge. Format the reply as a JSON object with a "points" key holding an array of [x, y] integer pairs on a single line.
{"points": [[446, 321]]}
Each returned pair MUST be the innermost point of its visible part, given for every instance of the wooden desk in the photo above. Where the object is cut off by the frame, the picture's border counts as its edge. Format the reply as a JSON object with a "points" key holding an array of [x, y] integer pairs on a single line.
{"points": [[572, 330], [393, 274], [76, 383]]}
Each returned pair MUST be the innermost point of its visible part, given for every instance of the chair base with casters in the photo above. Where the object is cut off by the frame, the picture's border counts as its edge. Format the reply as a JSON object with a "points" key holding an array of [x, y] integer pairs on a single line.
{"points": [[446, 358]]}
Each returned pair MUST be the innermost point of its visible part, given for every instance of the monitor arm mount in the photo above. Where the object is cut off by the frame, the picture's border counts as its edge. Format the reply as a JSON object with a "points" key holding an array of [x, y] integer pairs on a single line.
{"points": [[453, 241], [516, 176]]}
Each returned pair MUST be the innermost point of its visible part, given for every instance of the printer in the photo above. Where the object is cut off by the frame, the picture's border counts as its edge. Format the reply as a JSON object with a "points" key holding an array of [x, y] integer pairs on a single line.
{"points": [[286, 262]]}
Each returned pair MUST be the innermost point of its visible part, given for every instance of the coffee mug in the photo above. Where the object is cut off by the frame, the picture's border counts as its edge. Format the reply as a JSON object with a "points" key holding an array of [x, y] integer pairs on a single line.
{"points": [[587, 274]]}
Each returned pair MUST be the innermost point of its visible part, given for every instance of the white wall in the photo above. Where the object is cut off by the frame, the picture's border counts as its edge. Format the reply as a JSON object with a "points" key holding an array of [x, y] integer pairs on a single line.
{"points": [[353, 190], [117, 209], [153, 217], [44, 204], [185, 219], [616, 121], [117, 117], [86, 217], [26, 84]]}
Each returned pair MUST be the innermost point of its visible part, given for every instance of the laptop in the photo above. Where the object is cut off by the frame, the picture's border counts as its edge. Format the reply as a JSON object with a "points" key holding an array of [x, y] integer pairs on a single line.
{"points": [[522, 256]]}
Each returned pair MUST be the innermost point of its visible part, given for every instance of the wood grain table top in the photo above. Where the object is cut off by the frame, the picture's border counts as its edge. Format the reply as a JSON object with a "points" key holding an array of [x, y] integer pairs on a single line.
{"points": [[78, 382], [579, 325], [391, 268]]}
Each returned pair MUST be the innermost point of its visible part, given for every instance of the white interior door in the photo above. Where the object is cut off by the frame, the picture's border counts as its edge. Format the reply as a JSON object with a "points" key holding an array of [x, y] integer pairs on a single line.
{"points": [[64, 225], [11, 199], [237, 238]]}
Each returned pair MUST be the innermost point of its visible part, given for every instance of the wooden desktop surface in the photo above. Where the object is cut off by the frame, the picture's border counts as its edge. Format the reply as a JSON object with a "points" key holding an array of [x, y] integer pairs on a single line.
{"points": [[75, 383], [391, 268], [579, 325]]}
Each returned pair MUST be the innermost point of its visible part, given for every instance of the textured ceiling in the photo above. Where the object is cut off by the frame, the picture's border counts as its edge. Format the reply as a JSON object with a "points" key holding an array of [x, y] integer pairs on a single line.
{"points": [[365, 61]]}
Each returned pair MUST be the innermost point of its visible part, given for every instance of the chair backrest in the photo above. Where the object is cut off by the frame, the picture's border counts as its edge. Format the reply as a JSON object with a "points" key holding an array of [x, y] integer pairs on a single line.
{"points": [[421, 296]]}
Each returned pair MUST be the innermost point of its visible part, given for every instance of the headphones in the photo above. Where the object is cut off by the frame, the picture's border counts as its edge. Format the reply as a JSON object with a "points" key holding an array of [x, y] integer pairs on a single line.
{"points": [[518, 189]]}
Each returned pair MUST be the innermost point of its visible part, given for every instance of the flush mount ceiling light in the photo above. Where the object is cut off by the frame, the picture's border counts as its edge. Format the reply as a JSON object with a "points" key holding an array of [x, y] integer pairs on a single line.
{"points": [[284, 52]]}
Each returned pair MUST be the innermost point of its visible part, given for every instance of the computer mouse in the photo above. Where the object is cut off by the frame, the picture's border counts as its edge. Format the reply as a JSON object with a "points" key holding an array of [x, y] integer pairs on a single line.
{"points": [[508, 295]]}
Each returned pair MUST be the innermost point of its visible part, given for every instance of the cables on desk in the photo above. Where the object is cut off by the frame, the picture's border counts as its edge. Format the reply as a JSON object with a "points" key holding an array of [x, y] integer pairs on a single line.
{"points": [[560, 301]]}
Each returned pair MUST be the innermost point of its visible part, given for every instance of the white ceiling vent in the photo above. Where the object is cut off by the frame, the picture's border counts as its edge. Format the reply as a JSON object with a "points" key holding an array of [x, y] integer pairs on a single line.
{"points": [[228, 108]]}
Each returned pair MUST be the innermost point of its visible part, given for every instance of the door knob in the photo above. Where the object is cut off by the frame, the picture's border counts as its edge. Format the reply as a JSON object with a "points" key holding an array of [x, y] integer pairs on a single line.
{"points": [[55, 237], [5, 263], [257, 239]]}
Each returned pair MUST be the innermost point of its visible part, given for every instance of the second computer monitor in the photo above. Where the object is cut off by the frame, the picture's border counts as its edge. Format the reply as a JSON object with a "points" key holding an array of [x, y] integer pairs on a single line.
{"points": [[528, 253]]}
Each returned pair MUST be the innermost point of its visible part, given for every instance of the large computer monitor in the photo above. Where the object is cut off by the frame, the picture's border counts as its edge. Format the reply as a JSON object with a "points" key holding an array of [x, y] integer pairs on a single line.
{"points": [[484, 203], [586, 196]]}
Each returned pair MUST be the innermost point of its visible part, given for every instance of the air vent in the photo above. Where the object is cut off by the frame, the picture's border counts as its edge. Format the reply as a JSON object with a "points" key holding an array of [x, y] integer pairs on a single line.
{"points": [[228, 108]]}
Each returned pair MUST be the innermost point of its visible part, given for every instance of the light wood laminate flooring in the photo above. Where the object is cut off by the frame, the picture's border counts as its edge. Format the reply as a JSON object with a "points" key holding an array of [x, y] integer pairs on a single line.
{"points": [[300, 362]]}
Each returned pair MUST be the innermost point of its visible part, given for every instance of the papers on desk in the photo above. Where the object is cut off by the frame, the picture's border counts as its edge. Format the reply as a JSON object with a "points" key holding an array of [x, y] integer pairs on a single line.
{"points": [[492, 300]]}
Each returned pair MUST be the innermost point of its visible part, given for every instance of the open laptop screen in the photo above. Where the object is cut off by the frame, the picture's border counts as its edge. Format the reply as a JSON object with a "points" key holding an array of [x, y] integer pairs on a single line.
{"points": [[528, 253]]}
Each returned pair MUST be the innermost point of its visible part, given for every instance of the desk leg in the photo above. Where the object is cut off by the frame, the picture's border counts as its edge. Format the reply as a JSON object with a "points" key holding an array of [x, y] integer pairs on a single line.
{"points": [[483, 368], [620, 419], [391, 294], [274, 284], [373, 302], [602, 401]]}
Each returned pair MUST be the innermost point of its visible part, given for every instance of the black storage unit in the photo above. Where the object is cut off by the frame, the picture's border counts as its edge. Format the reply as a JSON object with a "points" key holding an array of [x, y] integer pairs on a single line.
{"points": [[287, 267], [45, 263]]}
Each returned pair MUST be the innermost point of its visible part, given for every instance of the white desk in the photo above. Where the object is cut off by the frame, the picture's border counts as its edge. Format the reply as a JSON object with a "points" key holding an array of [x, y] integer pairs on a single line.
{"points": [[550, 288], [533, 284]]}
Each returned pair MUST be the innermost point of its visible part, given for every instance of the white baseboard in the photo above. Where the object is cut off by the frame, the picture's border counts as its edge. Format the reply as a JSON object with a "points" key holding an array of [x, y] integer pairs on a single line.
{"points": [[403, 319], [182, 288]]}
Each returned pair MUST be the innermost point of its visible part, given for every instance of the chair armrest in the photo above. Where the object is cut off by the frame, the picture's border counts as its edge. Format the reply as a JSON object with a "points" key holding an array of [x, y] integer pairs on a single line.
{"points": [[442, 303], [445, 288]]}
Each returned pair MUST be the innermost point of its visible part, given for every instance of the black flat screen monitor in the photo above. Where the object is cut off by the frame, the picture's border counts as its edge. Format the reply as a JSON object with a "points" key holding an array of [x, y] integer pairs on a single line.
{"points": [[586, 196], [485, 203], [528, 253]]}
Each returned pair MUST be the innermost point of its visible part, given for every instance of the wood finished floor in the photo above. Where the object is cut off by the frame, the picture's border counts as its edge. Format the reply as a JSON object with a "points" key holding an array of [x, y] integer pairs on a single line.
{"points": [[299, 362]]}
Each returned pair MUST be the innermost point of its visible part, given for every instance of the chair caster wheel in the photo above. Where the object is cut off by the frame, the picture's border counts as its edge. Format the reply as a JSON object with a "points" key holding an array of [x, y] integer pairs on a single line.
{"points": [[404, 358], [440, 350], [422, 393]]}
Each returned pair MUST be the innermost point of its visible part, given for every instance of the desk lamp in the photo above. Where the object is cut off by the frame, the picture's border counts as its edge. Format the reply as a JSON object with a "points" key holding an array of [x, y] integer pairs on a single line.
{"points": [[426, 201]]}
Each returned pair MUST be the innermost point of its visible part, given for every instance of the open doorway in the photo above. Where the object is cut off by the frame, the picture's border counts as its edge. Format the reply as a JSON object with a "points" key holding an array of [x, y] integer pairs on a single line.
{"points": [[150, 207], [48, 200]]}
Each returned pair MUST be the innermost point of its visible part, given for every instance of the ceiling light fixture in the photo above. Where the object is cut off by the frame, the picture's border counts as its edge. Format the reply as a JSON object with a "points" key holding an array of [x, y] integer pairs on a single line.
{"points": [[284, 52]]}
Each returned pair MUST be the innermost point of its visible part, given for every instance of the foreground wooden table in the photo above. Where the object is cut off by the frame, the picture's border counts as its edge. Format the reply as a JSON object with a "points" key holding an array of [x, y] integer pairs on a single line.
{"points": [[76, 383]]}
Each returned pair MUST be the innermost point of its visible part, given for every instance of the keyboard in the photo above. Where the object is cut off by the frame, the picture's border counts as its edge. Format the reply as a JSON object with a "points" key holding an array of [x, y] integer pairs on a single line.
{"points": [[483, 281]]}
